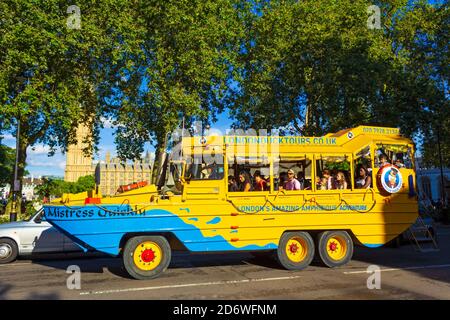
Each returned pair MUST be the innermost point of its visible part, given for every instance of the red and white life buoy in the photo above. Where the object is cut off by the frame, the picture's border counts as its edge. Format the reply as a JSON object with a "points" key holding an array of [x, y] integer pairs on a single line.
{"points": [[390, 178]]}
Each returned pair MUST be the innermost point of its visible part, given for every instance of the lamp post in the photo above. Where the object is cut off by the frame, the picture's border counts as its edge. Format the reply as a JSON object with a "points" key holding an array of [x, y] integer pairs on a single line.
{"points": [[444, 203], [16, 183]]}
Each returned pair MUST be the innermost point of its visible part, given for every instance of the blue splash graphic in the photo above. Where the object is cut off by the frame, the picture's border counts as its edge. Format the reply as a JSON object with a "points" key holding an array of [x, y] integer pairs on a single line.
{"points": [[102, 228], [216, 220]]}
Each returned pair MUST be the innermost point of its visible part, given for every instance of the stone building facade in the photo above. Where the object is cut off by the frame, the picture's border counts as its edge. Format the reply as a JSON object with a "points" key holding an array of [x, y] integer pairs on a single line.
{"points": [[113, 172]]}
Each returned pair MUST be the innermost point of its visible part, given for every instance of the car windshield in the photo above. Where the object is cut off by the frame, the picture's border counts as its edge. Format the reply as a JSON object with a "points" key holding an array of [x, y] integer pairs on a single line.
{"points": [[36, 214]]}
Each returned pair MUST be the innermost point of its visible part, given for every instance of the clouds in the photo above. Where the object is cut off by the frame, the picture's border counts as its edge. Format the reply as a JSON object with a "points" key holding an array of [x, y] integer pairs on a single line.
{"points": [[8, 137], [108, 123]]}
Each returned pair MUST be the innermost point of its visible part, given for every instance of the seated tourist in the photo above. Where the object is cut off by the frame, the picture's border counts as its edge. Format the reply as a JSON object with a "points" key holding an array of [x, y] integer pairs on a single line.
{"points": [[244, 182], [323, 184], [341, 182], [383, 160], [282, 180], [363, 179], [292, 183], [318, 182], [399, 163], [232, 184], [330, 181], [304, 184], [260, 183]]}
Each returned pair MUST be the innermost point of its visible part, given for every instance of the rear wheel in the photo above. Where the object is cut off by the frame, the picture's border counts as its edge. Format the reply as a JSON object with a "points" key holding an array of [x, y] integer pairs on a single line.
{"points": [[146, 257], [335, 248], [295, 250], [8, 250]]}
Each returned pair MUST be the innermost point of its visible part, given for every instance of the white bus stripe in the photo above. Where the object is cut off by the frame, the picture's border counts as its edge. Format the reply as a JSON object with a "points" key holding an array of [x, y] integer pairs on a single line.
{"points": [[404, 268], [189, 285]]}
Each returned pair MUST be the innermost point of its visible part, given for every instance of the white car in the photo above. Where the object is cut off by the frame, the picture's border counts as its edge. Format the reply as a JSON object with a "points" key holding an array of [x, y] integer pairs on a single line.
{"points": [[32, 236]]}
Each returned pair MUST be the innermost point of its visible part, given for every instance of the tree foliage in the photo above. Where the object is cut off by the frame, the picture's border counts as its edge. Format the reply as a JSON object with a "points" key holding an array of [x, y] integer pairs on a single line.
{"points": [[50, 73], [316, 67], [182, 69], [56, 187]]}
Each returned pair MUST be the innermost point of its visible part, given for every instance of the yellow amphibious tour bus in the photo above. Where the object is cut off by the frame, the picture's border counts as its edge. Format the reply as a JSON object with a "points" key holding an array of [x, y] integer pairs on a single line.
{"points": [[299, 196]]}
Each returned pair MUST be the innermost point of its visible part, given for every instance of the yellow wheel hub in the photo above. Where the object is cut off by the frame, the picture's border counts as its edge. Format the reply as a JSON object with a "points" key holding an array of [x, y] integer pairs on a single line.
{"points": [[336, 248], [296, 249], [147, 255]]}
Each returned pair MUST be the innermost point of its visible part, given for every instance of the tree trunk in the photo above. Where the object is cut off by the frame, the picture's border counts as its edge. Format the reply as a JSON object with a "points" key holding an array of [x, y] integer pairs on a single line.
{"points": [[20, 168]]}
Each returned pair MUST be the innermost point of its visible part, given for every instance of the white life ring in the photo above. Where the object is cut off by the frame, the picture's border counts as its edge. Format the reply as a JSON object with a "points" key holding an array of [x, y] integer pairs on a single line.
{"points": [[391, 179]]}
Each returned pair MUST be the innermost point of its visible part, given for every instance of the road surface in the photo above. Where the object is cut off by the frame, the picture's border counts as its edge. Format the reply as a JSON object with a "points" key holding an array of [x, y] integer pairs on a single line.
{"points": [[405, 274]]}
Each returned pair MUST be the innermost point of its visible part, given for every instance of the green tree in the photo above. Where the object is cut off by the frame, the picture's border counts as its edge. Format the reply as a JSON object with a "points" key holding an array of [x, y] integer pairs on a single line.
{"points": [[50, 69], [56, 187], [7, 160], [315, 66], [182, 70]]}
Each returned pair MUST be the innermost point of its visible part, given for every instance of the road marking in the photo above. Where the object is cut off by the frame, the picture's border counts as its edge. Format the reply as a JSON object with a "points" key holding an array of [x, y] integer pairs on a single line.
{"points": [[189, 285], [15, 264], [405, 268]]}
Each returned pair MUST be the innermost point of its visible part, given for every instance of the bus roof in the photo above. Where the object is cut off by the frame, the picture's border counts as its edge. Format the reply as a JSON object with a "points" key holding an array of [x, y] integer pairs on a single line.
{"points": [[345, 141]]}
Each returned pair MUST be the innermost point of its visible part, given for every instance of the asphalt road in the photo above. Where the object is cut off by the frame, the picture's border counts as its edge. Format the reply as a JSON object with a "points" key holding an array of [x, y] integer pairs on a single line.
{"points": [[405, 274]]}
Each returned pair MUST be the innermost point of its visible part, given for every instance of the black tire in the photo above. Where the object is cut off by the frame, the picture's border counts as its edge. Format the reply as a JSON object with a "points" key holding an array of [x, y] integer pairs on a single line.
{"points": [[306, 252], [8, 250], [343, 242], [131, 247]]}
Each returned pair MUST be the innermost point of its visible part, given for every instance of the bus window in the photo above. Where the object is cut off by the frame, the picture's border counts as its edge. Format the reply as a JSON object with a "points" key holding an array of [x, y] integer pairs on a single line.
{"points": [[249, 174], [363, 169], [332, 173], [292, 173], [198, 169], [399, 155]]}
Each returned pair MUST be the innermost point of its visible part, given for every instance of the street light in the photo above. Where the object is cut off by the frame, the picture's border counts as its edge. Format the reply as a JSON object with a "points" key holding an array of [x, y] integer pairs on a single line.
{"points": [[16, 183]]}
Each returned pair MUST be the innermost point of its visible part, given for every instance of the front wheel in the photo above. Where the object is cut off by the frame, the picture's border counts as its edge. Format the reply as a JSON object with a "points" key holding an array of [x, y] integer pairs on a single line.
{"points": [[146, 257], [8, 251], [335, 248], [295, 250]]}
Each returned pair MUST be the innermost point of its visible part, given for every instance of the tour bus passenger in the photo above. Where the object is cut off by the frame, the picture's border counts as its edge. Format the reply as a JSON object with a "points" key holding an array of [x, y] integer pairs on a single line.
{"points": [[304, 184], [292, 183], [363, 180], [341, 182], [260, 183], [323, 184], [244, 182], [318, 183], [282, 180], [399, 163], [232, 184], [330, 181], [399, 160], [383, 160]]}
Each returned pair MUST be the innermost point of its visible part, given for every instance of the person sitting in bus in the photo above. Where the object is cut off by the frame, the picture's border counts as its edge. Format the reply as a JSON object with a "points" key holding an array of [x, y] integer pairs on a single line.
{"points": [[383, 160], [363, 180], [318, 182], [260, 183], [244, 182], [304, 184], [330, 181], [399, 160], [292, 183], [282, 180], [323, 184], [232, 184], [341, 182], [399, 163]]}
